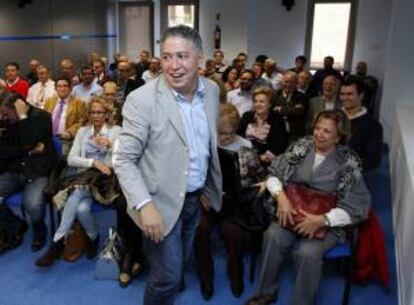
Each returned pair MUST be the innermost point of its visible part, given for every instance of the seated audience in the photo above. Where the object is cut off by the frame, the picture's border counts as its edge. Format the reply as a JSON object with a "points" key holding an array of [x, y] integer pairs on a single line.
{"points": [[371, 87], [43, 89], [110, 95], [229, 140], [27, 155], [329, 100], [323, 163], [366, 132], [271, 75], [241, 61], [67, 112], [320, 75], [101, 77], [264, 127], [300, 62], [13, 81], [291, 105], [154, 70], [91, 155], [230, 78], [258, 69], [31, 77], [143, 64], [242, 97], [67, 68], [125, 82], [219, 65], [304, 79], [87, 89]]}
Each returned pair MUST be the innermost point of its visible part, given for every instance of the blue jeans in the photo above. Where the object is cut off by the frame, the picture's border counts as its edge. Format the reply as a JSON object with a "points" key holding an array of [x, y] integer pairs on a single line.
{"points": [[77, 205], [168, 258], [33, 200]]}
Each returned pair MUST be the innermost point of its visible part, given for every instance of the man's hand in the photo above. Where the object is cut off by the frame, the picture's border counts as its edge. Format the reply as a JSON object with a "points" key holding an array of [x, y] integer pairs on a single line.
{"points": [[151, 222], [21, 108], [205, 202], [102, 167], [39, 148], [285, 210], [310, 224]]}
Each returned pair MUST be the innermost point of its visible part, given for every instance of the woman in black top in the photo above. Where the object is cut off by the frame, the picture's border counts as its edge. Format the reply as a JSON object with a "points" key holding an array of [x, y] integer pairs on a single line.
{"points": [[263, 127]]}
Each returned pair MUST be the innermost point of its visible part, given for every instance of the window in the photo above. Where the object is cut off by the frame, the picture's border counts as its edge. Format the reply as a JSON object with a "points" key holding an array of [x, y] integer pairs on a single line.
{"points": [[331, 27], [175, 12]]}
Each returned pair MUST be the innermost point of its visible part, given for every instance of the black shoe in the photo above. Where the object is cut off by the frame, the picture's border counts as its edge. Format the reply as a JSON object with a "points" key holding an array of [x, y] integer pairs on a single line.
{"points": [[39, 236], [91, 247], [207, 290], [236, 280]]}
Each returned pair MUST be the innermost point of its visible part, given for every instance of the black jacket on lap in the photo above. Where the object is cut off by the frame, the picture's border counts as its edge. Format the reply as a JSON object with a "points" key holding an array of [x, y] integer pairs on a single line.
{"points": [[17, 140]]}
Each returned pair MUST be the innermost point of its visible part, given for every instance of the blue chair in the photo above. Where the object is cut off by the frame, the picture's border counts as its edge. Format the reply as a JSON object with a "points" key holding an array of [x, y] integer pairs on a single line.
{"points": [[344, 254], [16, 199]]}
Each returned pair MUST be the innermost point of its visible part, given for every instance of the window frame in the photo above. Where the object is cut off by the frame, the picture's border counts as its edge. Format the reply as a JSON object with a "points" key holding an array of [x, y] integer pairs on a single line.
{"points": [[350, 42], [164, 12]]}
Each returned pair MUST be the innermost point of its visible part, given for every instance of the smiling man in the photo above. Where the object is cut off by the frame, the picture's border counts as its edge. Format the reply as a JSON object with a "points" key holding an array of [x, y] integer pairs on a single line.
{"points": [[167, 161]]}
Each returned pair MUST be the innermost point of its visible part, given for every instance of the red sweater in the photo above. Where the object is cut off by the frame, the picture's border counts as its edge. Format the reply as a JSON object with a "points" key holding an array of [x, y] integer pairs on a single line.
{"points": [[21, 87]]}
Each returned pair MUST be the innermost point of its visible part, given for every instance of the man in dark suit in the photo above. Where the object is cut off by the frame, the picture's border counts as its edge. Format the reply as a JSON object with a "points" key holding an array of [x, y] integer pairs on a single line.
{"points": [[292, 105], [126, 84], [27, 156], [315, 86]]}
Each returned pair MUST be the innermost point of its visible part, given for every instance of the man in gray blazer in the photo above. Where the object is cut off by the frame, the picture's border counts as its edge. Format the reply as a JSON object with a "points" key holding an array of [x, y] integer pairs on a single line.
{"points": [[167, 161], [327, 101]]}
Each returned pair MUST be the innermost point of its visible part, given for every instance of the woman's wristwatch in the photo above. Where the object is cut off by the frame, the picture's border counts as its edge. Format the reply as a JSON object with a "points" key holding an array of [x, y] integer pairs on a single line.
{"points": [[327, 222]]}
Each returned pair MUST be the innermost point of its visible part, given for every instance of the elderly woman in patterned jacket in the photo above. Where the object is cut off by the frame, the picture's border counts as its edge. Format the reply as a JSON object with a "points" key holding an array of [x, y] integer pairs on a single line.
{"points": [[322, 163]]}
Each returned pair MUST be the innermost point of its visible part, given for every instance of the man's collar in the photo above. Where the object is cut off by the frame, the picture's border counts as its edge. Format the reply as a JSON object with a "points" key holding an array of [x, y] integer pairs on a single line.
{"points": [[360, 113], [14, 82], [200, 92]]}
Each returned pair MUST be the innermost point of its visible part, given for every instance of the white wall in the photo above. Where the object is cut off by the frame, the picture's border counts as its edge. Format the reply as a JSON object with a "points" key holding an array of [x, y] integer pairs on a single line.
{"points": [[399, 63], [276, 32], [233, 25]]}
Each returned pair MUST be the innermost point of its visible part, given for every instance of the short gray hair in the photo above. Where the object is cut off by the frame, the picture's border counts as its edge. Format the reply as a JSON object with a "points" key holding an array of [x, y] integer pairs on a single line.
{"points": [[185, 32]]}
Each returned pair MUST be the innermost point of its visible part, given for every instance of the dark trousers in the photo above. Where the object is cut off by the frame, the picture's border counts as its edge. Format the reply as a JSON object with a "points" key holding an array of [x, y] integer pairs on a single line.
{"points": [[168, 258], [131, 236], [235, 238]]}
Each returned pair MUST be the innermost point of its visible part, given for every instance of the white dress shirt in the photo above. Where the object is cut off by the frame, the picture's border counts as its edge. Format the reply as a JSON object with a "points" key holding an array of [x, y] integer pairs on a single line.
{"points": [[39, 93]]}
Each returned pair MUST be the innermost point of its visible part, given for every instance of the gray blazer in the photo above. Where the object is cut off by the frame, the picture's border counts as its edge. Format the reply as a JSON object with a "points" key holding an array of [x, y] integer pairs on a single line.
{"points": [[152, 156], [327, 177], [316, 105]]}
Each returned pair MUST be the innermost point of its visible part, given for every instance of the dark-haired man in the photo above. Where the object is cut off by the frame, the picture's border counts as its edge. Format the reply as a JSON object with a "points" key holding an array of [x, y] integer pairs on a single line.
{"points": [[366, 132], [27, 156], [241, 97], [315, 87], [68, 112], [87, 89], [300, 62], [13, 81], [167, 161]]}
